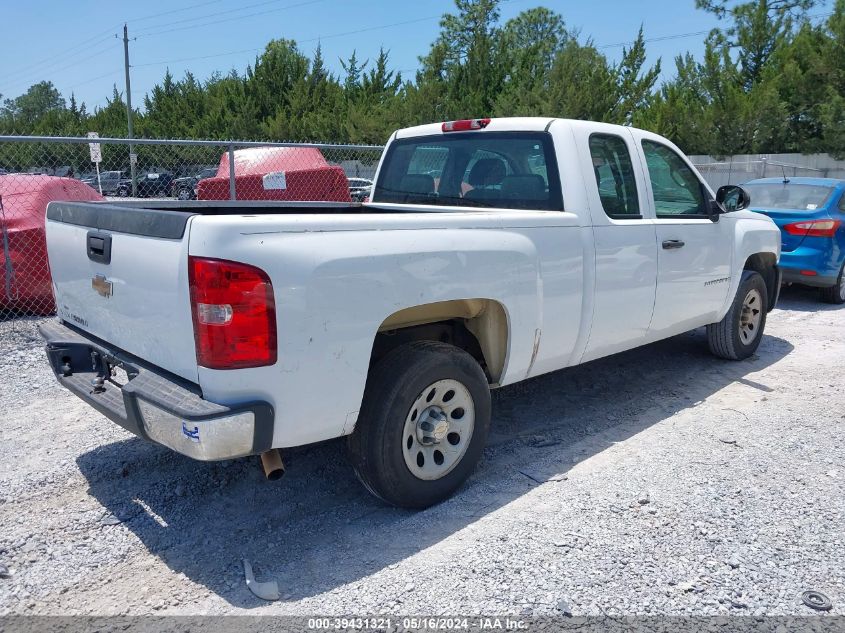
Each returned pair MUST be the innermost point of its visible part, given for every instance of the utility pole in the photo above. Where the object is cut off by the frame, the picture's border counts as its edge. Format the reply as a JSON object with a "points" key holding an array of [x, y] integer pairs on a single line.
{"points": [[132, 160]]}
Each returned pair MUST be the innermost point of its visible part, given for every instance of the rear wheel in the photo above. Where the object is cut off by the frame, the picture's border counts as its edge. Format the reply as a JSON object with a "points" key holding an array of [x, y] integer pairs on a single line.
{"points": [[836, 293], [423, 424], [738, 335]]}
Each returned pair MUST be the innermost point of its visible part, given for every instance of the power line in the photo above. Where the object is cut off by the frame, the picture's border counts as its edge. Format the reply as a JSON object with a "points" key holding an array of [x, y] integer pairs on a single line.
{"points": [[305, 41], [47, 65], [649, 40], [677, 36], [98, 53], [172, 11], [230, 19], [88, 81]]}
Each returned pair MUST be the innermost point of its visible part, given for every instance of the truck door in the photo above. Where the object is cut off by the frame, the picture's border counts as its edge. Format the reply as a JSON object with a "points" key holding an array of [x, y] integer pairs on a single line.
{"points": [[625, 246], [693, 252]]}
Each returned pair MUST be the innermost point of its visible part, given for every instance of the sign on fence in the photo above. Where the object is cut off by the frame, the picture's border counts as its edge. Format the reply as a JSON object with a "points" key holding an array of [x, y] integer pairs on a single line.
{"points": [[96, 152]]}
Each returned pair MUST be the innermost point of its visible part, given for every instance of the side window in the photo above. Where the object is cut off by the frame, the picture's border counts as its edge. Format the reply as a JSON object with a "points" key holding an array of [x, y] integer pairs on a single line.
{"points": [[615, 178], [677, 190]]}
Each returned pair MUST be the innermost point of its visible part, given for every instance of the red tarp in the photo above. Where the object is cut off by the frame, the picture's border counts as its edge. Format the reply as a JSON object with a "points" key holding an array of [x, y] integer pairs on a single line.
{"points": [[26, 284], [277, 173]]}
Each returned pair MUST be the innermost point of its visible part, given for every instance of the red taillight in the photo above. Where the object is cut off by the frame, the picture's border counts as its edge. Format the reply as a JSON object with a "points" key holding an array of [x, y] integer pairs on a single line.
{"points": [[465, 125], [234, 314], [813, 228]]}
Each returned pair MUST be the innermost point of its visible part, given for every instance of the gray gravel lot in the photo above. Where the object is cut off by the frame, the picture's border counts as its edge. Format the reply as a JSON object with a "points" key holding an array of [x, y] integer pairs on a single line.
{"points": [[660, 481]]}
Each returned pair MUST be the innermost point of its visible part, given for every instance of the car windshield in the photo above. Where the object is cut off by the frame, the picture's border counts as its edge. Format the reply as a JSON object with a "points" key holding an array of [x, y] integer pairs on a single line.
{"points": [[788, 196], [506, 170]]}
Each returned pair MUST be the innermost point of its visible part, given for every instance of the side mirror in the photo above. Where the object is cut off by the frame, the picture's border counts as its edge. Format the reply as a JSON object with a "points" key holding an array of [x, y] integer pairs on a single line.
{"points": [[733, 198]]}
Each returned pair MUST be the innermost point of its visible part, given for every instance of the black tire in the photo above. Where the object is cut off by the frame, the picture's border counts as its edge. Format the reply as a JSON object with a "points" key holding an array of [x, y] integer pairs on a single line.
{"points": [[123, 192], [724, 338], [395, 383], [835, 294]]}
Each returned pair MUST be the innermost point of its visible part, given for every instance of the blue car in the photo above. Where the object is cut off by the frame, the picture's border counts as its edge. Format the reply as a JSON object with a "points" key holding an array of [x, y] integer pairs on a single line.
{"points": [[810, 213]]}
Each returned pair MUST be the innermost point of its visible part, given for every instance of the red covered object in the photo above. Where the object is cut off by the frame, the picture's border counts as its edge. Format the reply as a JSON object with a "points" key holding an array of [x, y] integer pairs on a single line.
{"points": [[277, 173], [25, 283]]}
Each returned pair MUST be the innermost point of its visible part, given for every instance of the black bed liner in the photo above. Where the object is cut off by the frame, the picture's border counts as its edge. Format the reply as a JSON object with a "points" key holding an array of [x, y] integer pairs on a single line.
{"points": [[168, 218]]}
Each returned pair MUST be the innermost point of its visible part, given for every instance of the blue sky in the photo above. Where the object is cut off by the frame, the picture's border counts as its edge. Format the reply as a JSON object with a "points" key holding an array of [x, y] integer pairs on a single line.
{"points": [[74, 44]]}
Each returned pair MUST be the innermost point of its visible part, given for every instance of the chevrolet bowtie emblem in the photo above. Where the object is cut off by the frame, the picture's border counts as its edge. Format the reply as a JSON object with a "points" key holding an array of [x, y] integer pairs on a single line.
{"points": [[102, 285]]}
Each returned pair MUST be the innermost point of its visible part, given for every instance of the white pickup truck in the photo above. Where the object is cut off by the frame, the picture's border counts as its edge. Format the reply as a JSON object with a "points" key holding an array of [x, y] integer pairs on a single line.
{"points": [[492, 251]]}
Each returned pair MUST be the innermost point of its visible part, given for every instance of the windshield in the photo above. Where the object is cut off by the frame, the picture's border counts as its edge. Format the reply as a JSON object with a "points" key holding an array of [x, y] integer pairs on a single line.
{"points": [[506, 170], [788, 196]]}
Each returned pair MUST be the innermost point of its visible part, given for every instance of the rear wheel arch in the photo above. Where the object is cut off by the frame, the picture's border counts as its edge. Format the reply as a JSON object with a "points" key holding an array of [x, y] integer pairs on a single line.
{"points": [[478, 326]]}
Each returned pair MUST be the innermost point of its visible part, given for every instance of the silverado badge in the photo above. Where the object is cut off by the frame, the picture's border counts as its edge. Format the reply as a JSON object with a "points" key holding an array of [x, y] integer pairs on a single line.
{"points": [[102, 285]]}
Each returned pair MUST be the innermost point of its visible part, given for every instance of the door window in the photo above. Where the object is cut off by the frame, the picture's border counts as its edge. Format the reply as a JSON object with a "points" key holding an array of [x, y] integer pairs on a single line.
{"points": [[615, 178], [677, 190]]}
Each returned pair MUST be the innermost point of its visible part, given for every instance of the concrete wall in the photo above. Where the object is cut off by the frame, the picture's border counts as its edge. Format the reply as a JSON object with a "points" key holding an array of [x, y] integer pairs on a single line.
{"points": [[733, 170]]}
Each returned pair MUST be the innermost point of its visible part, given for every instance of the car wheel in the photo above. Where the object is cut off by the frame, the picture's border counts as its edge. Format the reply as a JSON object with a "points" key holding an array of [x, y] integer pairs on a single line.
{"points": [[184, 194], [836, 293], [738, 335], [123, 192], [423, 424]]}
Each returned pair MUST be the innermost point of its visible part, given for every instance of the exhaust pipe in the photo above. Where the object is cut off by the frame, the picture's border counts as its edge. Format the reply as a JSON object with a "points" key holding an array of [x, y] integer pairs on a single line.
{"points": [[274, 467]]}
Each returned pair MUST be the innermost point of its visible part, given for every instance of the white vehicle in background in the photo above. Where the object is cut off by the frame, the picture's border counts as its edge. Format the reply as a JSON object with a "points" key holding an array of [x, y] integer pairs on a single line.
{"points": [[360, 189], [493, 251]]}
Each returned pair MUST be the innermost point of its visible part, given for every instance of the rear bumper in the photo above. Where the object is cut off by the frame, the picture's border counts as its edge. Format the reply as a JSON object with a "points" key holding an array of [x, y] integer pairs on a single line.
{"points": [[814, 255], [153, 404], [794, 276]]}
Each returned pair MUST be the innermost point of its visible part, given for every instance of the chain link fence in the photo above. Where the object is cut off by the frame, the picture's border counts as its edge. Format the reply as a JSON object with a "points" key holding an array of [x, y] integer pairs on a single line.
{"points": [[735, 170], [36, 170]]}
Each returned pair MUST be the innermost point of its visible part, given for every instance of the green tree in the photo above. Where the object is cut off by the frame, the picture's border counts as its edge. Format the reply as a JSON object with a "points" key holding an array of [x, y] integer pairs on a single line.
{"points": [[373, 111], [27, 109], [467, 55], [634, 83], [582, 84], [758, 29], [528, 45]]}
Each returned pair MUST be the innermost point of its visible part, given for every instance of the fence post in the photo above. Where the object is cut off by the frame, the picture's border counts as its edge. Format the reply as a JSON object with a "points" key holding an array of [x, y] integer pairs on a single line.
{"points": [[232, 194]]}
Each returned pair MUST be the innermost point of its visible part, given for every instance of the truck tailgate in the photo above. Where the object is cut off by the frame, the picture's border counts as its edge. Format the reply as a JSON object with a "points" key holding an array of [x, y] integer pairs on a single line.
{"points": [[121, 274]]}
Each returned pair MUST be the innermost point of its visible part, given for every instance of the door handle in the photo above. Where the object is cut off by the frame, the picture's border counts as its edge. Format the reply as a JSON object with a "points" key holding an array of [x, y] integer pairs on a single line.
{"points": [[673, 244]]}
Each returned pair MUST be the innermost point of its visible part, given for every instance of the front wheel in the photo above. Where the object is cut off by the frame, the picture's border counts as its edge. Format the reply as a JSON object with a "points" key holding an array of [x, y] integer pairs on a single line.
{"points": [[738, 335], [423, 424], [835, 294]]}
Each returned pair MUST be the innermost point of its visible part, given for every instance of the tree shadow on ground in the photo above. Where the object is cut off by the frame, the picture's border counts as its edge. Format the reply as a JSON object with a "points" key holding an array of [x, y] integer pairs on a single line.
{"points": [[318, 529], [796, 298]]}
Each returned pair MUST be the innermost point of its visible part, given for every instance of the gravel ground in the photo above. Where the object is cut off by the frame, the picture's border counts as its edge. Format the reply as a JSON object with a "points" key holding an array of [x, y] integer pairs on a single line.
{"points": [[659, 481]]}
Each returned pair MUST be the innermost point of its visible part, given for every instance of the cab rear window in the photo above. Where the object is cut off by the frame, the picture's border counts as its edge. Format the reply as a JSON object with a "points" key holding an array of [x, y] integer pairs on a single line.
{"points": [[504, 170]]}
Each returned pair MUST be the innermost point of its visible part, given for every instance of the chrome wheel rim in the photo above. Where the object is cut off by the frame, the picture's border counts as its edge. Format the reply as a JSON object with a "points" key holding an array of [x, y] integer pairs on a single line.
{"points": [[750, 316], [438, 429], [842, 285]]}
